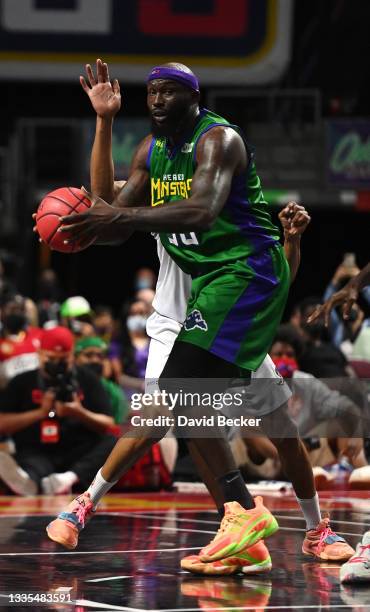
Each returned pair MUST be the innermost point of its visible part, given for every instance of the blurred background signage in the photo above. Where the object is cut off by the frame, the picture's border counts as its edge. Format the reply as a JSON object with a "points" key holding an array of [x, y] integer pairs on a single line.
{"points": [[238, 42], [348, 152]]}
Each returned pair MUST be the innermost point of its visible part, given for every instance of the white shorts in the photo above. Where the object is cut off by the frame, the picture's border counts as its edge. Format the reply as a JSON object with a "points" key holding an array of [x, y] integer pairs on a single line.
{"points": [[264, 396], [162, 332]]}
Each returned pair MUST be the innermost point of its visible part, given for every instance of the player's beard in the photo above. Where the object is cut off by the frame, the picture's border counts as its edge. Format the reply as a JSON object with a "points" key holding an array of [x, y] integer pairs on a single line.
{"points": [[175, 122]]}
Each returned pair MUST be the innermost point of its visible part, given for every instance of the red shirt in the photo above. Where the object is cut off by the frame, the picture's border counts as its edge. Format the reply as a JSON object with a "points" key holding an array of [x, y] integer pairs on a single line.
{"points": [[19, 353]]}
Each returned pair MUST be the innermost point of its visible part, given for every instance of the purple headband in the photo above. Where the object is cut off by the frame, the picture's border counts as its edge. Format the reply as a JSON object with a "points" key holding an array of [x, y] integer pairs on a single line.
{"points": [[165, 72]]}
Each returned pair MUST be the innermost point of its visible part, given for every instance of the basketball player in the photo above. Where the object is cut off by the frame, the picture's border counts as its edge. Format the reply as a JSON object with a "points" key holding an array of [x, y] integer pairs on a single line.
{"points": [[195, 155]]}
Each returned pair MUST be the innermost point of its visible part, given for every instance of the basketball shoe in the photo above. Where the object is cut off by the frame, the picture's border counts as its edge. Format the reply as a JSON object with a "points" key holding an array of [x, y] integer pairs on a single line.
{"points": [[357, 568], [254, 560], [325, 544], [239, 529], [66, 527]]}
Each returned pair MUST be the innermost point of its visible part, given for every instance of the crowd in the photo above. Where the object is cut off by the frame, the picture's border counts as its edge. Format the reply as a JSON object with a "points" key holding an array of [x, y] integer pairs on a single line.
{"points": [[68, 370]]}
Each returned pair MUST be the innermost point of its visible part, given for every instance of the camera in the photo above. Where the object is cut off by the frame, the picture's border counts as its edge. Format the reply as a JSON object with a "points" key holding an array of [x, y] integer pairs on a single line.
{"points": [[62, 381], [65, 387]]}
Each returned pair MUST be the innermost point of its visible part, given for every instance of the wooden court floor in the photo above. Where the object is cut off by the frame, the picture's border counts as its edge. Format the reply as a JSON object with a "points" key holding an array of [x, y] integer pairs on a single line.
{"points": [[129, 557]]}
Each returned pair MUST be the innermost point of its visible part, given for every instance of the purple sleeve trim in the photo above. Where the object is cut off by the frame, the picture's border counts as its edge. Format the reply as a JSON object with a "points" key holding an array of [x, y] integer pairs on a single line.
{"points": [[147, 163]]}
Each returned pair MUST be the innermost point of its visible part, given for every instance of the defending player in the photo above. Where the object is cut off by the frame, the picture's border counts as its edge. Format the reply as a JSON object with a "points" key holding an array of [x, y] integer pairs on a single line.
{"points": [[221, 152]]}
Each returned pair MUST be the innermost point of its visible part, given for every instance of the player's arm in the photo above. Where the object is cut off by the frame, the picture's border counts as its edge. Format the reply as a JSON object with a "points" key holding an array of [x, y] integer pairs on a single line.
{"points": [[346, 297], [105, 98], [294, 219], [220, 154]]}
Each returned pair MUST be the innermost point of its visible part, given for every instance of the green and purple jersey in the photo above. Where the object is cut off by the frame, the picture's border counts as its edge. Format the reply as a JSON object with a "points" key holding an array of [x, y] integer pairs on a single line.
{"points": [[240, 276]]}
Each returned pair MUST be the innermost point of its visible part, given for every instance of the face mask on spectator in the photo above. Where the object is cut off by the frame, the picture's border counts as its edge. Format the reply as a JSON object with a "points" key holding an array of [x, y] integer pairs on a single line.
{"points": [[14, 323], [143, 283], [285, 366], [56, 368], [136, 323], [96, 367]]}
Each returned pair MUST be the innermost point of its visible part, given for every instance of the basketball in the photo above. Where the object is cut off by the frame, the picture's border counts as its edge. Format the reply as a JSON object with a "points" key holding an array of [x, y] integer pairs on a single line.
{"points": [[57, 204]]}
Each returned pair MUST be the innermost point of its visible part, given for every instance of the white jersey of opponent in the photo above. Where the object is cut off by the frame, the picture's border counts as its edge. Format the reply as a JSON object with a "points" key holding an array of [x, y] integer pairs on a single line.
{"points": [[163, 326], [173, 287]]}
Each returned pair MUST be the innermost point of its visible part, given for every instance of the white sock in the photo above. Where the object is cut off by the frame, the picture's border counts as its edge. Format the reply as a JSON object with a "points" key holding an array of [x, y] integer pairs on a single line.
{"points": [[311, 511], [98, 488]]}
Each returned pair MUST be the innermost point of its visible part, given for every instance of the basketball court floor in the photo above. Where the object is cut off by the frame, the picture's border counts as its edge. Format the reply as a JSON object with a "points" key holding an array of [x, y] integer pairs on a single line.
{"points": [[129, 557]]}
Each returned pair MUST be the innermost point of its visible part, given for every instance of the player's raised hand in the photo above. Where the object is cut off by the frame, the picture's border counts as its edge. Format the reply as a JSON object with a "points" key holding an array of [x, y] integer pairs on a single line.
{"points": [[294, 219], [346, 297], [105, 96]]}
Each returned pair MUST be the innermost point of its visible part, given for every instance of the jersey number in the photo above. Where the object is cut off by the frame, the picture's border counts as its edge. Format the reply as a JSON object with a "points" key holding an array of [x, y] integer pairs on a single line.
{"points": [[183, 239]]}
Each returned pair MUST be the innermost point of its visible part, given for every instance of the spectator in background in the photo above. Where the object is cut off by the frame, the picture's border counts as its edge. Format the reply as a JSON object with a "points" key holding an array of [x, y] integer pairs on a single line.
{"points": [[19, 342], [343, 332], [145, 287], [346, 298], [147, 296], [135, 347], [49, 296], [92, 353], [318, 411], [316, 408], [145, 278], [106, 328], [324, 360], [76, 314], [320, 358], [31, 311], [58, 417]]}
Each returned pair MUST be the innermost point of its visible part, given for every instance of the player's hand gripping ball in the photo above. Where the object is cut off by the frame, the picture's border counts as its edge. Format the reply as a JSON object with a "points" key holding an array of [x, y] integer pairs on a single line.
{"points": [[57, 204]]}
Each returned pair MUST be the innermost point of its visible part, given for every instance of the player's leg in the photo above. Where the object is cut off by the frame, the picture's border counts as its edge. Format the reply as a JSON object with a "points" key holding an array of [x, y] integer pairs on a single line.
{"points": [[245, 522], [127, 450], [163, 332], [320, 541]]}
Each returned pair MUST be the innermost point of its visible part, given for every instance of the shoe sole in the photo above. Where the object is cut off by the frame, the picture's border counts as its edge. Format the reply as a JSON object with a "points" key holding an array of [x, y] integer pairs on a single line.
{"points": [[353, 579], [258, 569], [326, 557], [252, 536], [60, 540]]}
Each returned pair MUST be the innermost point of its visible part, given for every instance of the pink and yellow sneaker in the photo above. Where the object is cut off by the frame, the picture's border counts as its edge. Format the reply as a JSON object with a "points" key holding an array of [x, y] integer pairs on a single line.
{"points": [[239, 529], [254, 560], [66, 527], [323, 543]]}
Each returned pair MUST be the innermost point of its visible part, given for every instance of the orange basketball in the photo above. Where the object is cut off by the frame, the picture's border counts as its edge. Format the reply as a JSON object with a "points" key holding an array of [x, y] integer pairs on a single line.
{"points": [[57, 204]]}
